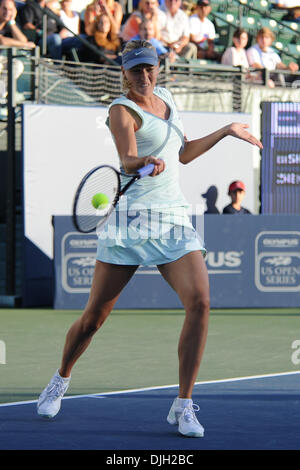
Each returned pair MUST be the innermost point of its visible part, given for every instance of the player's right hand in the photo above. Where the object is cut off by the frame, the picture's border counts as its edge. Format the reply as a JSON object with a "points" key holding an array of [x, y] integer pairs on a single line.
{"points": [[159, 165]]}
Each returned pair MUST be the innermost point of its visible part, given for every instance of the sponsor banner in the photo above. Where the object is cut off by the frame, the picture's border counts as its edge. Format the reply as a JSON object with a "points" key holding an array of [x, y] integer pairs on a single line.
{"points": [[277, 261], [252, 261]]}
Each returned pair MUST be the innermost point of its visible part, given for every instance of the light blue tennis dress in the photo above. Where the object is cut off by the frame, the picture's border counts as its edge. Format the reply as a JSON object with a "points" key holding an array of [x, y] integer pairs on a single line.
{"points": [[150, 225]]}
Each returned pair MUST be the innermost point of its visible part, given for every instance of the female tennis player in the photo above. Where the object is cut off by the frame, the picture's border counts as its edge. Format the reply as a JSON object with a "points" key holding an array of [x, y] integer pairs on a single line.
{"points": [[147, 129]]}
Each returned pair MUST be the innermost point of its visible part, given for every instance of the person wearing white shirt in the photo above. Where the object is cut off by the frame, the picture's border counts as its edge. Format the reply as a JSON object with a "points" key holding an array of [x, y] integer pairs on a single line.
{"points": [[69, 18], [203, 31], [175, 34], [262, 56], [236, 55]]}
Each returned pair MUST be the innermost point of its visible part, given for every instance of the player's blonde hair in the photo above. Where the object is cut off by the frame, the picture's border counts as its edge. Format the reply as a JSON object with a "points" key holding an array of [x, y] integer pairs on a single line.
{"points": [[131, 46]]}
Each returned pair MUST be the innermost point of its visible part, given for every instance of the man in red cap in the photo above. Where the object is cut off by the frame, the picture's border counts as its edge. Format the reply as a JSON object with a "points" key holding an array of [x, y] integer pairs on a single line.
{"points": [[236, 191]]}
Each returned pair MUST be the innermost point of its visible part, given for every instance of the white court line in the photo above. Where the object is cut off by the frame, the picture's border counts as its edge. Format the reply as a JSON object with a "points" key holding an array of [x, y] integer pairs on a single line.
{"points": [[161, 387]]}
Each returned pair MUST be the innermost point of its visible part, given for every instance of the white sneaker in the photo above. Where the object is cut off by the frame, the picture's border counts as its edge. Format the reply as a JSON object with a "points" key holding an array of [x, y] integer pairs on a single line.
{"points": [[50, 399], [182, 412], [188, 424]]}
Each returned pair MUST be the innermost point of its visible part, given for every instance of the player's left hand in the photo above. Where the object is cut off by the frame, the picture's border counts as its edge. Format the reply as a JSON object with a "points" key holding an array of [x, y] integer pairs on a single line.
{"points": [[238, 130]]}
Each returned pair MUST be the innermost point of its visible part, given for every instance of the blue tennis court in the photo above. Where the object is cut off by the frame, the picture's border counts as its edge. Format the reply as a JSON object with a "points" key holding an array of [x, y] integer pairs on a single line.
{"points": [[259, 412]]}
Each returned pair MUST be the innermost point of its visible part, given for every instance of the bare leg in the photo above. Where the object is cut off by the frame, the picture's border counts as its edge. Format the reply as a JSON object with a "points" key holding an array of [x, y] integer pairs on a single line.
{"points": [[188, 277], [108, 282]]}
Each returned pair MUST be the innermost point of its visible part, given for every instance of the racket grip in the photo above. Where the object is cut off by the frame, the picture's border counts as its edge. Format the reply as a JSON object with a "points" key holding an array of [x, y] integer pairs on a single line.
{"points": [[146, 170]]}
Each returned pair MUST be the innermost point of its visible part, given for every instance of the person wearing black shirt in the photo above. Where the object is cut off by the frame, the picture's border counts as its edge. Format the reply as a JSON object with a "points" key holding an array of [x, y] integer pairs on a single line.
{"points": [[31, 18], [236, 191]]}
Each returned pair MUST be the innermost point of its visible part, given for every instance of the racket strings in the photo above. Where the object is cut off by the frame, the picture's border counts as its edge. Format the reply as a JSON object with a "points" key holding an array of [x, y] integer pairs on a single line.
{"points": [[103, 181]]}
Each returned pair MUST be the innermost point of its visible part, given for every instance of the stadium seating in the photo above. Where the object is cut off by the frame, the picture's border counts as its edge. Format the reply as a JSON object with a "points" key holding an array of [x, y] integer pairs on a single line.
{"points": [[252, 15], [225, 23]]}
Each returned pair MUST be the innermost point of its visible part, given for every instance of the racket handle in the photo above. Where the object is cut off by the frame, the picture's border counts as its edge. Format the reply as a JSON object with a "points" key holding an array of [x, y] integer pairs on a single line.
{"points": [[146, 170]]}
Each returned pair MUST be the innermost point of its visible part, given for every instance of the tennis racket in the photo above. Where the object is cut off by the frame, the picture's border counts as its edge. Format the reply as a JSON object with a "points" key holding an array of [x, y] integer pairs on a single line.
{"points": [[98, 194]]}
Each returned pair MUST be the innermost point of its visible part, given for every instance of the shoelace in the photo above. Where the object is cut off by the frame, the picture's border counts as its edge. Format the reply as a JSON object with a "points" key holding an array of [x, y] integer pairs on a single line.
{"points": [[55, 389], [189, 413]]}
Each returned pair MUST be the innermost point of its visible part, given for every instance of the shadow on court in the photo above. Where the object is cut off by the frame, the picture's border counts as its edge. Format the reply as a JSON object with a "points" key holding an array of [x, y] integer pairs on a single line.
{"points": [[253, 413]]}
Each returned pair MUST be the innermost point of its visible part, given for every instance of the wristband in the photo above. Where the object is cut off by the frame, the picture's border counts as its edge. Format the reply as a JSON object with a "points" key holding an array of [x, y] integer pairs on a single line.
{"points": [[11, 22]]}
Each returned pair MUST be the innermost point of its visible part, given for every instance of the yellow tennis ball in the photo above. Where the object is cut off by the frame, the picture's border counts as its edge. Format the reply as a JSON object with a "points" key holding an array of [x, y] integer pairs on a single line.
{"points": [[100, 201]]}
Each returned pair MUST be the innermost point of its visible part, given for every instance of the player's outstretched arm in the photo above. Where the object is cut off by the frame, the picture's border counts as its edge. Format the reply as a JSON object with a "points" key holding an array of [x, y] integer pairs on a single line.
{"points": [[195, 148]]}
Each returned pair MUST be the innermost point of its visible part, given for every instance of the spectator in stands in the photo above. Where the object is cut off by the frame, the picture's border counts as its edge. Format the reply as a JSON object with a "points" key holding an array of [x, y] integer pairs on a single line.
{"points": [[10, 36], [236, 191], [147, 9], [175, 34], [262, 56], [147, 32], [70, 18], [10, 33], [71, 33], [293, 15], [32, 24], [94, 9], [31, 17], [236, 55], [203, 32], [105, 37]]}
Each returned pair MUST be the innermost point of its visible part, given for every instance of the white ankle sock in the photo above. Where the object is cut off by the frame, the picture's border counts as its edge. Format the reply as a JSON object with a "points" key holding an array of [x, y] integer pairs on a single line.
{"points": [[65, 379], [182, 402]]}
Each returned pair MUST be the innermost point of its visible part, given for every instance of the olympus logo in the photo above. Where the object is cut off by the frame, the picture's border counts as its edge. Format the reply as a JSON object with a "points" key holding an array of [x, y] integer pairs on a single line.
{"points": [[83, 243], [280, 242]]}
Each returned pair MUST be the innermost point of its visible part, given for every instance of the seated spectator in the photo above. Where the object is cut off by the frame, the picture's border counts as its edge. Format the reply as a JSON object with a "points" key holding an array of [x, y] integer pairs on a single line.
{"points": [[10, 36], [94, 9], [31, 17], [203, 31], [236, 55], [147, 32], [293, 15], [71, 34], [147, 9], [70, 18], [10, 33], [236, 191], [105, 37], [175, 33], [262, 56]]}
